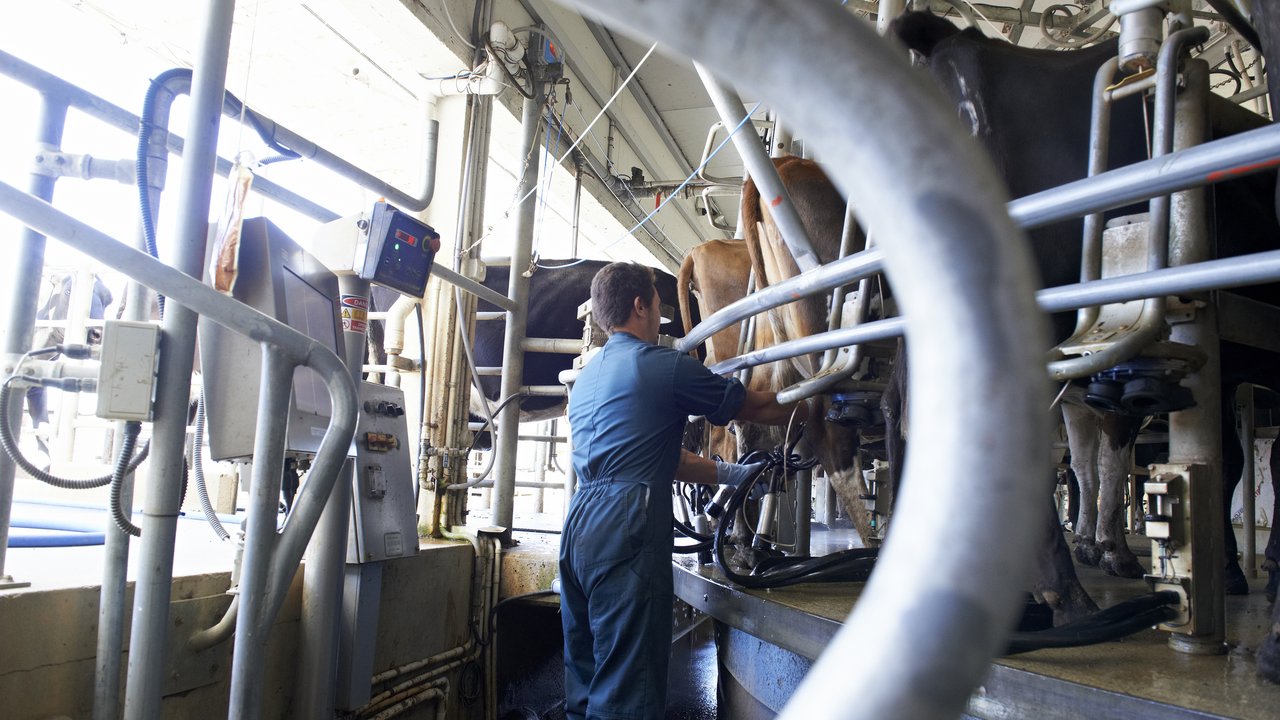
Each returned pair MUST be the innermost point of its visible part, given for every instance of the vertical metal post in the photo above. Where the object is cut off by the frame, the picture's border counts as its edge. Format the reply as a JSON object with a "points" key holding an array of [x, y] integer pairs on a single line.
{"points": [[1248, 479], [253, 626], [111, 607], [24, 298], [577, 203], [885, 14], [78, 306], [178, 338], [1194, 434], [323, 578], [517, 319], [762, 170]]}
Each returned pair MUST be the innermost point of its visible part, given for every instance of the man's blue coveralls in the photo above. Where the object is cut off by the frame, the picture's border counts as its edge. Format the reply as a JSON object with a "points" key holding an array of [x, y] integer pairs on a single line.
{"points": [[628, 410]]}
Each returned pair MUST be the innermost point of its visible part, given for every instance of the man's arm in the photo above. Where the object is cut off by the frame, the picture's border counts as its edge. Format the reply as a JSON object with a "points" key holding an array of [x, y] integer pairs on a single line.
{"points": [[696, 469], [763, 408]]}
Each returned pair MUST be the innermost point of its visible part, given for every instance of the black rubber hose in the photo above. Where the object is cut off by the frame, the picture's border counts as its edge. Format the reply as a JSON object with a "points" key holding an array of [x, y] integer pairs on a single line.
{"points": [[10, 446], [121, 471], [145, 128], [197, 461], [1113, 623]]}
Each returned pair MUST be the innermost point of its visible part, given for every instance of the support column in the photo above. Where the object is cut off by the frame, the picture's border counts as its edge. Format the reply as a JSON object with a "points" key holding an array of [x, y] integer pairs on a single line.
{"points": [[147, 661], [517, 319], [1195, 436], [24, 299]]}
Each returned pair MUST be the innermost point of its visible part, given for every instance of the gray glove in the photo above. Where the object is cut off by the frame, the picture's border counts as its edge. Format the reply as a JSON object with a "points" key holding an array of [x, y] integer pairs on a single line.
{"points": [[733, 474]]}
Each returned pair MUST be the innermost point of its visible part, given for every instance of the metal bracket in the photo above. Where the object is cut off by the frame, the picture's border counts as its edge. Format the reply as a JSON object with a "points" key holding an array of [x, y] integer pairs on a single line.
{"points": [[52, 162]]}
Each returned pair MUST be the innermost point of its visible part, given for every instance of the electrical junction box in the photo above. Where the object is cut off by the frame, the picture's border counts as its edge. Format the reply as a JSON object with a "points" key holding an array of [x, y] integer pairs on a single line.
{"points": [[127, 374], [384, 520]]}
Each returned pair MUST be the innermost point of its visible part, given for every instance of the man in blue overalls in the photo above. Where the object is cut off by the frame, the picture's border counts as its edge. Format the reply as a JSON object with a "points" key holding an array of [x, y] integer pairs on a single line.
{"points": [[627, 410]]}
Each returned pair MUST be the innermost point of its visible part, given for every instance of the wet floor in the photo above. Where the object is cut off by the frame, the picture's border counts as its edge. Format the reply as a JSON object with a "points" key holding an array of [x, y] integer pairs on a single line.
{"points": [[691, 680]]}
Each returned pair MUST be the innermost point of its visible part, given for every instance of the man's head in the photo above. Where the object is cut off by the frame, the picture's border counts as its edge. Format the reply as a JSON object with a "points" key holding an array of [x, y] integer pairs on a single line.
{"points": [[623, 293]]}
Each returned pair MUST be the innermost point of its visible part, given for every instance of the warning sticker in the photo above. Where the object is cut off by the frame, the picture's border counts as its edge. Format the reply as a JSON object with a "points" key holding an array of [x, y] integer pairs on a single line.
{"points": [[355, 313]]}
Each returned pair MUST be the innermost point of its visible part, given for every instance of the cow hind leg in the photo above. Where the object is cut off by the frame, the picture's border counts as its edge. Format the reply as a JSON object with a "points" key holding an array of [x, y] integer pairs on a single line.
{"points": [[1055, 583], [1234, 581], [1269, 652], [851, 488], [1083, 438], [1271, 561], [1115, 454]]}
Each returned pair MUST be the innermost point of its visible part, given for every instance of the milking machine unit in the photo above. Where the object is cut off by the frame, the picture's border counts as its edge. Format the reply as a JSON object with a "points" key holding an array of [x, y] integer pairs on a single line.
{"points": [[326, 296], [1159, 355]]}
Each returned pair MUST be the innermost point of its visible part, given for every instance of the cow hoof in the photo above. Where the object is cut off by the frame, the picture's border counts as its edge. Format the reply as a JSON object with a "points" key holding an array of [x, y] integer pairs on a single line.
{"points": [[1234, 580], [1122, 566], [1087, 553], [1269, 656], [1273, 584]]}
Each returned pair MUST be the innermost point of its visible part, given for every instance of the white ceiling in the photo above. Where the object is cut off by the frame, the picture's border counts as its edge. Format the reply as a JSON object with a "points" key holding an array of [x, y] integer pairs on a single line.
{"points": [[346, 74]]}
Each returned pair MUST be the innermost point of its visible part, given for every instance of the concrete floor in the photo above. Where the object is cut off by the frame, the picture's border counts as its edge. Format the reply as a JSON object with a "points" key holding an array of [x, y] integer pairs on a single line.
{"points": [[1135, 677]]}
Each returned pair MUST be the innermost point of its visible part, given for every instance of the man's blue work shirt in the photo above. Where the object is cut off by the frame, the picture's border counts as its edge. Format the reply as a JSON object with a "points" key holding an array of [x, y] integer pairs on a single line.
{"points": [[629, 406]]}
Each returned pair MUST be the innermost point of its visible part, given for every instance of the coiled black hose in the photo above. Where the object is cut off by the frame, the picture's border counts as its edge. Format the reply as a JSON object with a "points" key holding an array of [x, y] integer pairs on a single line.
{"points": [[11, 448], [119, 473], [846, 565], [1113, 623], [197, 462]]}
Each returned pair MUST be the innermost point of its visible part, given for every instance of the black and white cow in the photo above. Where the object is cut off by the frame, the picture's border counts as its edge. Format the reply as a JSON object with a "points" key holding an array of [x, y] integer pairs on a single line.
{"points": [[1031, 109], [556, 289]]}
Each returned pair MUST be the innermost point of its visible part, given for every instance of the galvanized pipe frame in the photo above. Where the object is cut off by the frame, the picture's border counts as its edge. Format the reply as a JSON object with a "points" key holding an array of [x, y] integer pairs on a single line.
{"points": [[1151, 321], [761, 169], [123, 120], [508, 421], [23, 302], [150, 623], [1223, 159], [294, 346], [952, 614], [1253, 269]]}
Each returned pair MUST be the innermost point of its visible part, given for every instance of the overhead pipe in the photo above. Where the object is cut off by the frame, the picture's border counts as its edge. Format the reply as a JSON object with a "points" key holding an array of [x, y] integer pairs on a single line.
{"points": [[762, 171], [24, 299], [517, 317], [188, 292], [1151, 322], [929, 188]]}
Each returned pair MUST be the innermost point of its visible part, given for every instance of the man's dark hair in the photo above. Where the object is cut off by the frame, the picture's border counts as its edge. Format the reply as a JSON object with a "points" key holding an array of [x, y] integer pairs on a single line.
{"points": [[614, 290]]}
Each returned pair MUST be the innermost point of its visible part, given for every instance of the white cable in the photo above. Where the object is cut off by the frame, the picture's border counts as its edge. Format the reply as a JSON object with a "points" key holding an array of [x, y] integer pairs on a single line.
{"points": [[616, 93]]}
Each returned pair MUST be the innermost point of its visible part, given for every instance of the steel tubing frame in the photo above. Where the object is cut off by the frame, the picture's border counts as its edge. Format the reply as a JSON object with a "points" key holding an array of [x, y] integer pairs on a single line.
{"points": [[761, 169], [295, 347], [517, 317], [150, 623], [24, 298], [1209, 275], [927, 186], [1224, 159], [1151, 320]]}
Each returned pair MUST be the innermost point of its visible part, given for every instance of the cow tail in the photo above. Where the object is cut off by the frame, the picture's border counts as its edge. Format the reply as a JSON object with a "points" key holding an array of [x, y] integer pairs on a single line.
{"points": [[752, 216], [684, 288]]}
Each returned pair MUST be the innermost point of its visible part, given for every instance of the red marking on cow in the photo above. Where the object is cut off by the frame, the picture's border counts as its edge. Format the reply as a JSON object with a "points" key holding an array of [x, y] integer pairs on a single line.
{"points": [[1221, 175], [776, 201]]}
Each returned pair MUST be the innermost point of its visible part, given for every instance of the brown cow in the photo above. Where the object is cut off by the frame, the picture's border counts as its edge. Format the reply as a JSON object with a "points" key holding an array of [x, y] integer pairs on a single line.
{"points": [[715, 274], [821, 210]]}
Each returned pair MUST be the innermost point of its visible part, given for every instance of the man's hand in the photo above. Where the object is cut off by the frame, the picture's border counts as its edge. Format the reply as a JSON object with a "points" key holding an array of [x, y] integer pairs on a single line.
{"points": [[733, 474]]}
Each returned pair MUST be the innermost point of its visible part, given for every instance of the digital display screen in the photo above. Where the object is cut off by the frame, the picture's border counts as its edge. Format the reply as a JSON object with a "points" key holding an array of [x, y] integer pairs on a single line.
{"points": [[400, 251]]}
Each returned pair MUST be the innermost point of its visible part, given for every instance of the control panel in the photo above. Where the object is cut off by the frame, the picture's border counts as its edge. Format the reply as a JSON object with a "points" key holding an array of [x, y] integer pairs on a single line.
{"points": [[396, 250], [384, 522]]}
